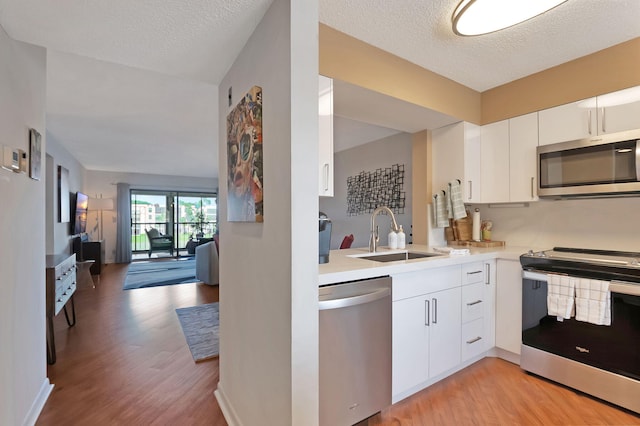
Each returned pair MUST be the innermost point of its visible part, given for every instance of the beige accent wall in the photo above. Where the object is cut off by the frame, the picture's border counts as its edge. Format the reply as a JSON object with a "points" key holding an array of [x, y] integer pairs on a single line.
{"points": [[608, 70], [348, 59], [421, 189]]}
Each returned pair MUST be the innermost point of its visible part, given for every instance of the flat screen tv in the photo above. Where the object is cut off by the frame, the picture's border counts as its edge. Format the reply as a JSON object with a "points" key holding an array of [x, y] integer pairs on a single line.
{"points": [[79, 224]]}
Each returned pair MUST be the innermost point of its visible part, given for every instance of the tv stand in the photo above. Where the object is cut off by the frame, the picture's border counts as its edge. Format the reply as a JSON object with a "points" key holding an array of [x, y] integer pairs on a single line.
{"points": [[94, 250]]}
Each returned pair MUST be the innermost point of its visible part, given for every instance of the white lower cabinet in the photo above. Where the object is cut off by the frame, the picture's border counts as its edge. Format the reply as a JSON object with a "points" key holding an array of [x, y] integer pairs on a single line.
{"points": [[426, 327], [444, 338], [410, 353], [509, 306], [442, 319]]}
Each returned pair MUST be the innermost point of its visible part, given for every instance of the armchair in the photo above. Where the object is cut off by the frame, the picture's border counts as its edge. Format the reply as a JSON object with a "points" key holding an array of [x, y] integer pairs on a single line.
{"points": [[158, 241], [207, 265]]}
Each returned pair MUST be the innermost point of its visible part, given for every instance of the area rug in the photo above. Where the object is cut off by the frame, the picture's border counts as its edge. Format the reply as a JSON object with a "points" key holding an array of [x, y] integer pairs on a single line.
{"points": [[166, 272], [200, 326]]}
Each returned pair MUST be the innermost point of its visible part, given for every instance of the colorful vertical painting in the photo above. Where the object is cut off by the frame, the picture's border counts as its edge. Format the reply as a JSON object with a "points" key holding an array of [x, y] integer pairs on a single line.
{"points": [[244, 159]]}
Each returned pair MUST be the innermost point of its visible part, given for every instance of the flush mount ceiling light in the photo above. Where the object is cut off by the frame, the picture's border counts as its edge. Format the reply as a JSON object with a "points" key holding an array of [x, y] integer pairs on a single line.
{"points": [[476, 17]]}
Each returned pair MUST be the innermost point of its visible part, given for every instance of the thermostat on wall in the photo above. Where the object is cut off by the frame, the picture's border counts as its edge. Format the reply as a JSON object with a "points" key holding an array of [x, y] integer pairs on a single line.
{"points": [[10, 158]]}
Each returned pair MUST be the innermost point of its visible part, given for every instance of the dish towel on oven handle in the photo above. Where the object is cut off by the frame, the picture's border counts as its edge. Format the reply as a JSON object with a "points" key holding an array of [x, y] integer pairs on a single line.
{"points": [[593, 301], [456, 204], [560, 291]]}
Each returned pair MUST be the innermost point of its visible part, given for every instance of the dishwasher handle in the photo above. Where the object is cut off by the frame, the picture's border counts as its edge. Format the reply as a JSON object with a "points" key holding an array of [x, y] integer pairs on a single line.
{"points": [[361, 299]]}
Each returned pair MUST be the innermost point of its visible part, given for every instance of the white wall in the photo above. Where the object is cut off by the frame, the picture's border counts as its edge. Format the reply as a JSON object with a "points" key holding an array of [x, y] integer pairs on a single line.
{"points": [[61, 231], [268, 271], [99, 183], [23, 382], [609, 224], [395, 149]]}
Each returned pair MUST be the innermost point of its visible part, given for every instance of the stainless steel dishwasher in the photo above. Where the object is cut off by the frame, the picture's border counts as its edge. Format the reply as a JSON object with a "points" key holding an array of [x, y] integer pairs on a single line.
{"points": [[355, 350]]}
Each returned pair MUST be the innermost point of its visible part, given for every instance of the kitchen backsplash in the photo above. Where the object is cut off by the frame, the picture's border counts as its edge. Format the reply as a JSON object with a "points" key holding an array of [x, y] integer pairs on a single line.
{"points": [[610, 224]]}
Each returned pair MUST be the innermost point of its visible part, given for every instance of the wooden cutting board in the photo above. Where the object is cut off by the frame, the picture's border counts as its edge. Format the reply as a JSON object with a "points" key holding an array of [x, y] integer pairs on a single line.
{"points": [[483, 244]]}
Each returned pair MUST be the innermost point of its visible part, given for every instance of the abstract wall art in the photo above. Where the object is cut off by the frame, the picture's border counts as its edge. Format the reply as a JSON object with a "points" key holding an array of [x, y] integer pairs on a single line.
{"points": [[381, 187], [245, 159]]}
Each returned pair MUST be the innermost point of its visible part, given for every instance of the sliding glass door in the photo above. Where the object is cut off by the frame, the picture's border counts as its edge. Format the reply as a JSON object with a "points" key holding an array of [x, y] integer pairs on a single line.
{"points": [[186, 218]]}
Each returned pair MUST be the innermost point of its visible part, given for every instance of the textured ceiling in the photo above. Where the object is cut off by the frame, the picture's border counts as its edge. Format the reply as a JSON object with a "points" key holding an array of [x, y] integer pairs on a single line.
{"points": [[420, 32], [132, 84]]}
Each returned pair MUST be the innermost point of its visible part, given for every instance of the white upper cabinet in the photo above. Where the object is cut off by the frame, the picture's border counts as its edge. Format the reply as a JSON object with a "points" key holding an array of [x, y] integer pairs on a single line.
{"points": [[619, 111], [494, 164], [523, 140], [456, 154], [325, 131], [576, 120], [509, 160], [610, 113]]}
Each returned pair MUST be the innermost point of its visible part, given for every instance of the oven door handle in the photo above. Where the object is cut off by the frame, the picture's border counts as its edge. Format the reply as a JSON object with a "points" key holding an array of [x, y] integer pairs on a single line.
{"points": [[536, 276], [622, 287]]}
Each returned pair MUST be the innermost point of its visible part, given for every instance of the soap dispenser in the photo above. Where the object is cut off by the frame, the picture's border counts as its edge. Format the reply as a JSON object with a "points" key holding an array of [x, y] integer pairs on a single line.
{"points": [[393, 239], [401, 238]]}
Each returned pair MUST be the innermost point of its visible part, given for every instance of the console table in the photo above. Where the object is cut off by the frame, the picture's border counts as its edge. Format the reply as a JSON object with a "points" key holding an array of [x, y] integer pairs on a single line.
{"points": [[94, 250], [61, 284]]}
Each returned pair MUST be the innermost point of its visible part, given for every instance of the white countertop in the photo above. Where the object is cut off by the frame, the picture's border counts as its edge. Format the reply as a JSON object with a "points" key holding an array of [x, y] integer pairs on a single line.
{"points": [[342, 267]]}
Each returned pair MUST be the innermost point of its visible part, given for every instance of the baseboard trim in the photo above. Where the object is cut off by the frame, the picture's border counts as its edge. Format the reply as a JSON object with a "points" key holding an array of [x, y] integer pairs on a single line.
{"points": [[507, 356], [227, 409], [38, 403]]}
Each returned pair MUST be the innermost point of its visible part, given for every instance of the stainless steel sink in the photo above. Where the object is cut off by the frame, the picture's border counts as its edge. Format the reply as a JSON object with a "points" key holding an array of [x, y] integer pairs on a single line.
{"points": [[394, 257]]}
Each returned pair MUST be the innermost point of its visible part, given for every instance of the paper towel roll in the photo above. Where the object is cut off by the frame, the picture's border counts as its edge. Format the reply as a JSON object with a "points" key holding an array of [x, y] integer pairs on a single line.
{"points": [[475, 233]]}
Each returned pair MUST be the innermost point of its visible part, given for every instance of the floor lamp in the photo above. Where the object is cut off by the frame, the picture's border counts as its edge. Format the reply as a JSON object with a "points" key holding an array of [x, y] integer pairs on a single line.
{"points": [[100, 204]]}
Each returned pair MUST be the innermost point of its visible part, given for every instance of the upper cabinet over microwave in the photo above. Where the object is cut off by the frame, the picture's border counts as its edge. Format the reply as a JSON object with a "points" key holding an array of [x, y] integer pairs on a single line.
{"points": [[607, 165], [610, 113]]}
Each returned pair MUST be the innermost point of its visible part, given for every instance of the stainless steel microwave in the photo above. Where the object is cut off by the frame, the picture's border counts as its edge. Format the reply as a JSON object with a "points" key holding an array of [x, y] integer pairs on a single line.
{"points": [[602, 166]]}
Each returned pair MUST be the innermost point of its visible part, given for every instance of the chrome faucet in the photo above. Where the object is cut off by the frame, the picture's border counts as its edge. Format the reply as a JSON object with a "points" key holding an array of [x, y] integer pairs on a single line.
{"points": [[375, 237]]}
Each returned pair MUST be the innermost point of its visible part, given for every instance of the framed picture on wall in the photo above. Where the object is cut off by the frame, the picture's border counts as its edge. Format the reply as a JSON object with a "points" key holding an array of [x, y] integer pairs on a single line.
{"points": [[35, 154], [244, 159]]}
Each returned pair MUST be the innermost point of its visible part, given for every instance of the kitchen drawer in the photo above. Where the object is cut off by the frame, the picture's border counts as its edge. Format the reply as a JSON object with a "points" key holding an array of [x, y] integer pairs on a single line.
{"points": [[473, 302], [473, 339], [413, 284], [472, 273]]}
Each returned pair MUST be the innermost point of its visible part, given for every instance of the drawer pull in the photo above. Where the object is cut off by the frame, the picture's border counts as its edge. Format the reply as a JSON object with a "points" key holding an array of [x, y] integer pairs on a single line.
{"points": [[473, 340], [474, 303], [474, 272]]}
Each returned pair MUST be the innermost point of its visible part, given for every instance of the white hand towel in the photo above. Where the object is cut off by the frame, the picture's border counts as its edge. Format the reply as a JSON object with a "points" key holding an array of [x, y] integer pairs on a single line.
{"points": [[560, 292], [457, 204], [593, 301], [439, 211]]}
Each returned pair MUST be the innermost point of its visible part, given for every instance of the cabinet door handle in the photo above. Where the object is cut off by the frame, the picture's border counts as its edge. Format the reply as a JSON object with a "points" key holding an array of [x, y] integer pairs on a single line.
{"points": [[474, 303], [470, 190], [426, 312], [473, 340], [604, 129], [487, 280], [435, 311], [326, 176], [532, 179], [474, 272], [589, 123]]}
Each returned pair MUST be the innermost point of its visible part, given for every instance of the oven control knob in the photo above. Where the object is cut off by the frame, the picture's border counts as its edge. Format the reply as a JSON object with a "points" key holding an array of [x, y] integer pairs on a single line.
{"points": [[530, 253]]}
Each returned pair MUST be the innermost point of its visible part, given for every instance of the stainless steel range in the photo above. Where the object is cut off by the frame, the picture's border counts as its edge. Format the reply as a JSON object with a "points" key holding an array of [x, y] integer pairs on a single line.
{"points": [[599, 355]]}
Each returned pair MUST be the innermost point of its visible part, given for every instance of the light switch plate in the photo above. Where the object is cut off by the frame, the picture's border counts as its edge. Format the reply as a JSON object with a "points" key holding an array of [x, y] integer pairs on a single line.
{"points": [[10, 158]]}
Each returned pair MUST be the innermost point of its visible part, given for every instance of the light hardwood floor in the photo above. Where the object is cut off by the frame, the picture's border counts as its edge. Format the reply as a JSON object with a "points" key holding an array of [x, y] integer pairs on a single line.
{"points": [[126, 363]]}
